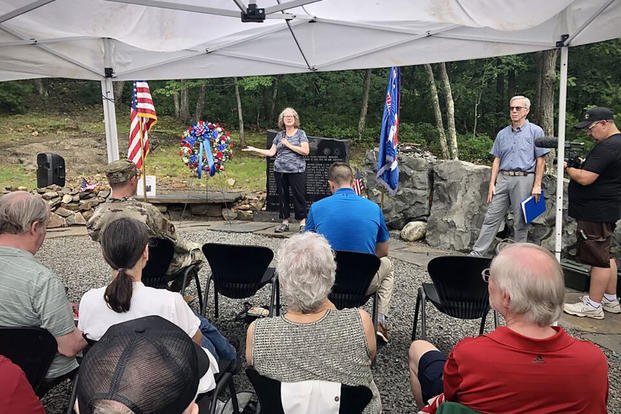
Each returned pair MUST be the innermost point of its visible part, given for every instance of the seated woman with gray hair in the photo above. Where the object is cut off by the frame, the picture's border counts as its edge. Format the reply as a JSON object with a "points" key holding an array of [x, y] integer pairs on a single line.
{"points": [[313, 340]]}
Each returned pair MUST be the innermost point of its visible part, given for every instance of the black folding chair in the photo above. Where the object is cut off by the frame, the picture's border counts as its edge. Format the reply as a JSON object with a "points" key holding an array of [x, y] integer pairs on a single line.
{"points": [[161, 252], [32, 348], [352, 399], [458, 290], [238, 272], [354, 273]]}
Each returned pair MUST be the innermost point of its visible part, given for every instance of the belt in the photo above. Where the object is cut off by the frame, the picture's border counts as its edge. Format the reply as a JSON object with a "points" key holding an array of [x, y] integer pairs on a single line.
{"points": [[516, 173]]}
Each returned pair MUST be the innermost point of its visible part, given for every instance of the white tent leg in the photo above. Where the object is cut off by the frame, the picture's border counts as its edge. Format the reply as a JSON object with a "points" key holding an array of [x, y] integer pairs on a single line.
{"points": [[112, 142], [107, 95], [562, 107]]}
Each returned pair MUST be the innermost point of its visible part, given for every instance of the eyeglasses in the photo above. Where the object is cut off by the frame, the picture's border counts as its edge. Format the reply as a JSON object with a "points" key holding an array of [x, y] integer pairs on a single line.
{"points": [[516, 108], [288, 116], [593, 125], [485, 275]]}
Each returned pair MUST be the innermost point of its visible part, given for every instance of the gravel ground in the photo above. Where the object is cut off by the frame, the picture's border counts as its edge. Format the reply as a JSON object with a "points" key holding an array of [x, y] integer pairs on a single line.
{"points": [[79, 263]]}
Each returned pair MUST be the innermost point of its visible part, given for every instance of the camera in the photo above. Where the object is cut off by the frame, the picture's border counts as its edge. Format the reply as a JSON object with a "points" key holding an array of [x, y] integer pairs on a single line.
{"points": [[573, 150]]}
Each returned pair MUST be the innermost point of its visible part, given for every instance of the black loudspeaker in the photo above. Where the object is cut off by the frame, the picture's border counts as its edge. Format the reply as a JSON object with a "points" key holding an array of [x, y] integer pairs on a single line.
{"points": [[50, 169]]}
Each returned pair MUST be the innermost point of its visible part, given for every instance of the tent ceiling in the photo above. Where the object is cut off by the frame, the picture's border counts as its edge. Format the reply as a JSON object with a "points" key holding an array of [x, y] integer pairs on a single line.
{"points": [[203, 39]]}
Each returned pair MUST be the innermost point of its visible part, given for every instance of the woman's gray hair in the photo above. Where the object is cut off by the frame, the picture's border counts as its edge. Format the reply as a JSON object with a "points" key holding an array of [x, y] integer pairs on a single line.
{"points": [[533, 279], [281, 122], [306, 270], [19, 209]]}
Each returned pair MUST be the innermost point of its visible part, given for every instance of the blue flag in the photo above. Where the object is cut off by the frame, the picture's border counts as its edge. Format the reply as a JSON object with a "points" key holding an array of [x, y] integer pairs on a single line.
{"points": [[387, 163]]}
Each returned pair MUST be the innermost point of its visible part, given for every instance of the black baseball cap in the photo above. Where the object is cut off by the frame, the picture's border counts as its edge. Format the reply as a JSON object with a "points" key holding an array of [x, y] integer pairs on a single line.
{"points": [[598, 113], [148, 364]]}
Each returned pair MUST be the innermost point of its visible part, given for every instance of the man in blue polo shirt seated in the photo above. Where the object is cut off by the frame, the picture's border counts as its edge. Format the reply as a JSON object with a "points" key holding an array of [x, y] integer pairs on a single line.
{"points": [[355, 224]]}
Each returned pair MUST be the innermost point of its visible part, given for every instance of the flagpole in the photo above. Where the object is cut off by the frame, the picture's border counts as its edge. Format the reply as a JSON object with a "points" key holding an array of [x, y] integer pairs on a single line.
{"points": [[142, 158]]}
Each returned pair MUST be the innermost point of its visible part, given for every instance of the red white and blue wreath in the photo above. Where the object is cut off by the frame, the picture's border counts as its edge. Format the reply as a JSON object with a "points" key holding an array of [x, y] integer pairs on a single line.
{"points": [[205, 147]]}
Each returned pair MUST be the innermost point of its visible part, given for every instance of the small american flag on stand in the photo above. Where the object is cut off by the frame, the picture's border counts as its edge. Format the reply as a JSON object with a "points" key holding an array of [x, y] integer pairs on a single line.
{"points": [[358, 184], [142, 117]]}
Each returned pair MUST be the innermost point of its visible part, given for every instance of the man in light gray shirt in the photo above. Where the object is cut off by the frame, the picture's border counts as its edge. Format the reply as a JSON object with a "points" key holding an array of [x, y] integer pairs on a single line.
{"points": [[30, 293]]}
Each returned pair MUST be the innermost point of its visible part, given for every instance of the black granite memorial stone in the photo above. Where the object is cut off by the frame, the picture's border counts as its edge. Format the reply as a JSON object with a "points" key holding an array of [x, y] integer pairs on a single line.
{"points": [[323, 152]]}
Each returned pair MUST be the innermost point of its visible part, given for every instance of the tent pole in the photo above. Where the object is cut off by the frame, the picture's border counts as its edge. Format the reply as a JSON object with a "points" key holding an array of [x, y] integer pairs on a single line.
{"points": [[562, 107], [107, 96], [112, 142]]}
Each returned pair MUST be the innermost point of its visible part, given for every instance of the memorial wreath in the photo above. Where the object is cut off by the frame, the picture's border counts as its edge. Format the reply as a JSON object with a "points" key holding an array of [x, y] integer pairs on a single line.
{"points": [[205, 147]]}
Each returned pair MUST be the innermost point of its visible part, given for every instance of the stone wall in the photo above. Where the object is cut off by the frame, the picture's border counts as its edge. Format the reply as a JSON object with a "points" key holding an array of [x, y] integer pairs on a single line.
{"points": [[72, 207], [451, 197]]}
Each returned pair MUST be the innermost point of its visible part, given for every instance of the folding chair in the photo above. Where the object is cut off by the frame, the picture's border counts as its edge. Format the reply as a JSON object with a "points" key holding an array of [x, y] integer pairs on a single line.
{"points": [[349, 399], [458, 290], [32, 348], [238, 272], [354, 273], [161, 252]]}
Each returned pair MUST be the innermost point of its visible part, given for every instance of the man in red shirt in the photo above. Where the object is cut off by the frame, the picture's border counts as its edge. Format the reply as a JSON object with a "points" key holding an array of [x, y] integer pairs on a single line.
{"points": [[527, 365], [16, 394]]}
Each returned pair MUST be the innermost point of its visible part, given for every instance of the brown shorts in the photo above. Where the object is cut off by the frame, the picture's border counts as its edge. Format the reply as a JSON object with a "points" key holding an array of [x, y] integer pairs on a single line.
{"points": [[594, 243]]}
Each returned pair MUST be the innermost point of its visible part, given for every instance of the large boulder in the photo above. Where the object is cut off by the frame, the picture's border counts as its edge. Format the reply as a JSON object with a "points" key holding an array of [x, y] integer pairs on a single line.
{"points": [[458, 204], [412, 199]]}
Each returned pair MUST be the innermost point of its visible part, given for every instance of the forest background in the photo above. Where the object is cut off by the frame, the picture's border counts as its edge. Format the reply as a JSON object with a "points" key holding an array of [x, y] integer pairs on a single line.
{"points": [[453, 110]]}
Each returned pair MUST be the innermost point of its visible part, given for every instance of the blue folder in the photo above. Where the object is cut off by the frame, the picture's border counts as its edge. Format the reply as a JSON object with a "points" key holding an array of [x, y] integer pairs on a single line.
{"points": [[532, 209]]}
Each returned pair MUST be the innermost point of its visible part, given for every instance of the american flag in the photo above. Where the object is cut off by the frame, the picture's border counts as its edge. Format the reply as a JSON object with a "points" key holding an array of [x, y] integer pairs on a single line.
{"points": [[387, 161], [141, 118], [358, 184]]}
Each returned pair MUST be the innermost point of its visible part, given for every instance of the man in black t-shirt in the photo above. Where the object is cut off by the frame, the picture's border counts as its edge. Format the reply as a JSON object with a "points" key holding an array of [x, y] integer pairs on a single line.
{"points": [[595, 203]]}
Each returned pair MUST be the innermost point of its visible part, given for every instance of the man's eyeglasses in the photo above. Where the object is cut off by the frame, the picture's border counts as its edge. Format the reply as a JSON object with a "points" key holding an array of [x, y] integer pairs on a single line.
{"points": [[516, 108], [485, 275], [593, 125]]}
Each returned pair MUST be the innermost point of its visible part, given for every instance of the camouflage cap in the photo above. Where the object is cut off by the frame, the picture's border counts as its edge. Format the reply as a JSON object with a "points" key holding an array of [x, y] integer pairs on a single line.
{"points": [[120, 171]]}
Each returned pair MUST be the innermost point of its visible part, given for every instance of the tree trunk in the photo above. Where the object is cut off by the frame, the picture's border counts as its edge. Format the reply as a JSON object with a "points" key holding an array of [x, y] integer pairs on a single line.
{"points": [[501, 103], [200, 103], [41, 89], [274, 97], [548, 84], [184, 105], [436, 110], [537, 102], [240, 116], [118, 87], [366, 86], [450, 112], [511, 83], [175, 97]]}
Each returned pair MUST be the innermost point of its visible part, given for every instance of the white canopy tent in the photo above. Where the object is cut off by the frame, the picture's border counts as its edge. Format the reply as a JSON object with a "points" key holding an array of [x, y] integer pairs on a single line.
{"points": [[141, 39]]}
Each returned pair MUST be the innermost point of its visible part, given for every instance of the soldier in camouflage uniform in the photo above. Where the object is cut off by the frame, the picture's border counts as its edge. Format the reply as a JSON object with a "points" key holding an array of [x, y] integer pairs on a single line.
{"points": [[123, 178]]}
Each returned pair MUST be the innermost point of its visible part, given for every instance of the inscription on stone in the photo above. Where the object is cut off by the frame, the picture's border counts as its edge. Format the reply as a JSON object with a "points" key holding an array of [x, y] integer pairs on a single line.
{"points": [[323, 152]]}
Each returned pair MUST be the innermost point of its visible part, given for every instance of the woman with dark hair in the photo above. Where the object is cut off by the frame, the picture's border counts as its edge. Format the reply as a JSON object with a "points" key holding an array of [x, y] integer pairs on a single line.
{"points": [[290, 146], [125, 247]]}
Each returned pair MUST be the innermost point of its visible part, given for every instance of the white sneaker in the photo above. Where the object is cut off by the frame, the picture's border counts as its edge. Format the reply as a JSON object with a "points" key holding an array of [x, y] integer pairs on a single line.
{"points": [[611, 306], [583, 309]]}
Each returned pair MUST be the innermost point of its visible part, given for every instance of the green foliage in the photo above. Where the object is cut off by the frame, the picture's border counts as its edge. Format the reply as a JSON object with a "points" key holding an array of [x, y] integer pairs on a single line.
{"points": [[12, 96], [475, 148], [14, 175]]}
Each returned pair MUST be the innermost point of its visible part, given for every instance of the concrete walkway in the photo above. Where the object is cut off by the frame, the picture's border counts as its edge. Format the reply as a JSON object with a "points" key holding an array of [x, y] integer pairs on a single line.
{"points": [[606, 332]]}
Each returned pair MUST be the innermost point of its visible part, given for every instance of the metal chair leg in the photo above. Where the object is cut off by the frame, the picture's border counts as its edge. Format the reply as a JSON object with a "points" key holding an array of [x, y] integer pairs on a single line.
{"points": [[206, 296], [416, 309], [277, 297], [375, 312], [198, 291], [215, 302], [423, 315], [495, 319], [482, 328]]}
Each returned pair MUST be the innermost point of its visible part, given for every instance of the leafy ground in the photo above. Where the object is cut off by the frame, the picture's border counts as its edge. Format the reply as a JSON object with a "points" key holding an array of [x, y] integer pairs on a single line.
{"points": [[80, 139]]}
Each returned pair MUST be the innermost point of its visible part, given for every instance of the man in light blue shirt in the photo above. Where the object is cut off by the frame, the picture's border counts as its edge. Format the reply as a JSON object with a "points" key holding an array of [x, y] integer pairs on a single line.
{"points": [[355, 224], [517, 171]]}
